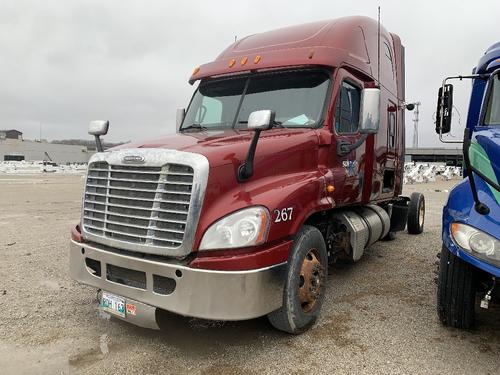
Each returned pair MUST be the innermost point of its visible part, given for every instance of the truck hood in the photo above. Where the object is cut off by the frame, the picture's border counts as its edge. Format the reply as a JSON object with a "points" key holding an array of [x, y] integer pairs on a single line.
{"points": [[231, 146]]}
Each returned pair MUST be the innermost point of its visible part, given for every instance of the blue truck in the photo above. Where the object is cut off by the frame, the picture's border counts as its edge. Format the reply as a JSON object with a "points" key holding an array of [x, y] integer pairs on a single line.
{"points": [[469, 264]]}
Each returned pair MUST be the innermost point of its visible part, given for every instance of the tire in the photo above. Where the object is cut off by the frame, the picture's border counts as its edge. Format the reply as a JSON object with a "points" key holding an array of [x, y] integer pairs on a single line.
{"points": [[456, 293], [307, 265], [390, 236], [416, 213]]}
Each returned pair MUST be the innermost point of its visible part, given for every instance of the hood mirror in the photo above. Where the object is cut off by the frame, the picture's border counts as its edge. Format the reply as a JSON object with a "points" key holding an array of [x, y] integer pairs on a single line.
{"points": [[98, 128], [261, 120], [258, 121]]}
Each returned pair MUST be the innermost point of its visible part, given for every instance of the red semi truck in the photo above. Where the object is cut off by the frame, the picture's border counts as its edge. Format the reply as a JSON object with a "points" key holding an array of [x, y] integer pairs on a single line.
{"points": [[289, 157]]}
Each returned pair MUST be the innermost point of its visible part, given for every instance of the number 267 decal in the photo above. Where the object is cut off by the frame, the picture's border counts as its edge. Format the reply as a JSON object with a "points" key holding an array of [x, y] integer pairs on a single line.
{"points": [[285, 214]]}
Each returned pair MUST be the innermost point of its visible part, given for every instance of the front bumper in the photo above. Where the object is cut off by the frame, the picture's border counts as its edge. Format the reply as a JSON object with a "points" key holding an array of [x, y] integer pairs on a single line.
{"points": [[207, 294]]}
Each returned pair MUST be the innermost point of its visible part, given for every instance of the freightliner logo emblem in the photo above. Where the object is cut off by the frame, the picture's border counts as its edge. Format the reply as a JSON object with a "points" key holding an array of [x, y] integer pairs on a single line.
{"points": [[133, 159]]}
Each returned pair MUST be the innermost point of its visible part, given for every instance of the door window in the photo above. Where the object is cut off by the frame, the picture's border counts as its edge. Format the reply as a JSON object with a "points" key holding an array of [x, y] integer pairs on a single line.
{"points": [[347, 109]]}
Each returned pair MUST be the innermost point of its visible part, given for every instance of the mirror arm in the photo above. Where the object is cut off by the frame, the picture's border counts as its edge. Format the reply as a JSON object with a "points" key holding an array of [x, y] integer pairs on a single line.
{"points": [[98, 143], [344, 148], [480, 207], [245, 170]]}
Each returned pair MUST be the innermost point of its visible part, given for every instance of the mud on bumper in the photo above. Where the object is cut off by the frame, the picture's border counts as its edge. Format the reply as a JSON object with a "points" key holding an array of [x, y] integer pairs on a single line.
{"points": [[207, 294]]}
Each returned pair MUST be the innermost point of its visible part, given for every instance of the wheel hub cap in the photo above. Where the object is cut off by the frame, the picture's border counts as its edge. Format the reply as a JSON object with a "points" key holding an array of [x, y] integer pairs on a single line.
{"points": [[310, 283]]}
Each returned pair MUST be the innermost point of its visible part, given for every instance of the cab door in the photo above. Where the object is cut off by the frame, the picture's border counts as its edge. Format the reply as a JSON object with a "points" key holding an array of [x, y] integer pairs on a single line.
{"points": [[391, 162], [349, 168]]}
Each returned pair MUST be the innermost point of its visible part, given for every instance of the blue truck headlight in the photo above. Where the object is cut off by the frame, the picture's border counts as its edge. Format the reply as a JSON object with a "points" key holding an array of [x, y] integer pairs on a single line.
{"points": [[476, 242], [247, 227]]}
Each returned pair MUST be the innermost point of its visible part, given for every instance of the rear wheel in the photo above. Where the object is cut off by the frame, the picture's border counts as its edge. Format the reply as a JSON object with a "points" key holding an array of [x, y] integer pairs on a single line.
{"points": [[416, 213], [305, 283], [390, 236], [456, 294]]}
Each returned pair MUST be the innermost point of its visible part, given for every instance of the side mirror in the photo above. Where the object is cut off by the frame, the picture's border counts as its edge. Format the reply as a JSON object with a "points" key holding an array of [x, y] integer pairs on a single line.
{"points": [[98, 128], [410, 106], [261, 120], [179, 118], [258, 121], [370, 111], [444, 109]]}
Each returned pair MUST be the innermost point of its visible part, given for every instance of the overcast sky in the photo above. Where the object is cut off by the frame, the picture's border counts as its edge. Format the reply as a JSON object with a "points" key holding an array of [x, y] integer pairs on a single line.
{"points": [[64, 63]]}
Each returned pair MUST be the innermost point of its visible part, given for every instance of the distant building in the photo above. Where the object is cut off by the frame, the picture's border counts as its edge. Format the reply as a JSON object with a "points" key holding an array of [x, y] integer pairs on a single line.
{"points": [[13, 147], [11, 134], [449, 156]]}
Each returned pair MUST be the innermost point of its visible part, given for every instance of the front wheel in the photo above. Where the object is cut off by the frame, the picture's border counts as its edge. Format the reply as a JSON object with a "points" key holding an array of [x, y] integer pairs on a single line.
{"points": [[456, 294], [305, 283]]}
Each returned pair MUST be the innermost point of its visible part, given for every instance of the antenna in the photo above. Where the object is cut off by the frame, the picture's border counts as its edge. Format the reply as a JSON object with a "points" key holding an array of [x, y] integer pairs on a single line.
{"points": [[378, 48]]}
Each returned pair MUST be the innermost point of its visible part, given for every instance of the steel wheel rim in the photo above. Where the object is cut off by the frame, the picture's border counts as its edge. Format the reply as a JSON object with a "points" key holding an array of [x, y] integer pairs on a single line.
{"points": [[421, 214], [310, 280]]}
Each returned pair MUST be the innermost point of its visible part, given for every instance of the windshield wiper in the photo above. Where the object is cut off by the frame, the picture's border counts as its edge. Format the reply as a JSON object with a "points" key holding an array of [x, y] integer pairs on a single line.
{"points": [[196, 126], [279, 124]]}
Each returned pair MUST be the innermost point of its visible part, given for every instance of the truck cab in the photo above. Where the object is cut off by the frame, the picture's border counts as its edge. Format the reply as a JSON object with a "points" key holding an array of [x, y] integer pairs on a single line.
{"points": [[470, 255], [289, 157]]}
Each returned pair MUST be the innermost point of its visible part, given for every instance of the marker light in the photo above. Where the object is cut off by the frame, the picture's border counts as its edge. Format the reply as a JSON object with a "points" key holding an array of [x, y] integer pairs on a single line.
{"points": [[247, 227], [476, 242], [196, 70], [257, 59], [232, 62], [244, 60]]}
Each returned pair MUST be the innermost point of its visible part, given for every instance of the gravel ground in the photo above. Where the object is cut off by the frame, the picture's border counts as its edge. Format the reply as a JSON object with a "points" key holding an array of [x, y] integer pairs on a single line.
{"points": [[379, 315]]}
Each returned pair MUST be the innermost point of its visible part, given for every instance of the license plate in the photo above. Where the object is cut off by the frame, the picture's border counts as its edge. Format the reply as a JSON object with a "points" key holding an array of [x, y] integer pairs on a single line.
{"points": [[113, 304]]}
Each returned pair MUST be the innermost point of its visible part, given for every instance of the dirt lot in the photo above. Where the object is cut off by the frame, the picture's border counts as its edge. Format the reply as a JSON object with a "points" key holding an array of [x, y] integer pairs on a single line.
{"points": [[379, 315]]}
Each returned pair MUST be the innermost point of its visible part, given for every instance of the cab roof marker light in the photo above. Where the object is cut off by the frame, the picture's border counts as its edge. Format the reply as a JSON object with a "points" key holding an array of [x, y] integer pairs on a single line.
{"points": [[196, 70], [232, 62], [257, 59], [244, 61]]}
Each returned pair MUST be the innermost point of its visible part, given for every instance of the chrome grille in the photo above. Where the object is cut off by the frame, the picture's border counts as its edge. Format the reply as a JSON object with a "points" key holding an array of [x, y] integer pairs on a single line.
{"points": [[143, 205]]}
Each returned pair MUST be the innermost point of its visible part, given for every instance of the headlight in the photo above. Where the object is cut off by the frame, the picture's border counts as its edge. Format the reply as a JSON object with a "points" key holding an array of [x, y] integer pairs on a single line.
{"points": [[247, 227], [476, 242]]}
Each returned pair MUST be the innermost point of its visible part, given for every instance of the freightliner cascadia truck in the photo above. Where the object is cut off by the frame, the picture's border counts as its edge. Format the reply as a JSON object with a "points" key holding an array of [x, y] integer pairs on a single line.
{"points": [[289, 157], [470, 257]]}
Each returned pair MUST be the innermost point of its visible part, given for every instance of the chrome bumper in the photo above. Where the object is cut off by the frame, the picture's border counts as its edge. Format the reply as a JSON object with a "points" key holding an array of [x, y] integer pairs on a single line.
{"points": [[207, 294]]}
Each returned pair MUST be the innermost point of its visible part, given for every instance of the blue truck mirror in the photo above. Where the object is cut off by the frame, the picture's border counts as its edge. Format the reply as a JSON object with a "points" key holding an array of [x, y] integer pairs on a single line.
{"points": [[444, 109]]}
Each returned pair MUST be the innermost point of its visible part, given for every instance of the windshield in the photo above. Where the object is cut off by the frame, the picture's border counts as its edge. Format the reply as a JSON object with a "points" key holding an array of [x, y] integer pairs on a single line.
{"points": [[492, 116], [297, 97]]}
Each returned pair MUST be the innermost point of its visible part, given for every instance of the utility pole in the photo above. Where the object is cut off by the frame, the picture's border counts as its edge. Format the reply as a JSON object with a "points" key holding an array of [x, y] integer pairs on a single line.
{"points": [[415, 125]]}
